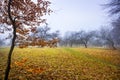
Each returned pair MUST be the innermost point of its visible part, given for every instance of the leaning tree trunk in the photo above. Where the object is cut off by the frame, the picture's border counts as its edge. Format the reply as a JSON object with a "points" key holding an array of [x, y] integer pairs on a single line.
{"points": [[85, 44], [13, 42], [9, 57], [113, 46]]}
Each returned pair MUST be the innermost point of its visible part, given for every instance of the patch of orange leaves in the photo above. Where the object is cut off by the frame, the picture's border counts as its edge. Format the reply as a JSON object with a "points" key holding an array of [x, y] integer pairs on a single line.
{"points": [[21, 63], [35, 70], [28, 68]]}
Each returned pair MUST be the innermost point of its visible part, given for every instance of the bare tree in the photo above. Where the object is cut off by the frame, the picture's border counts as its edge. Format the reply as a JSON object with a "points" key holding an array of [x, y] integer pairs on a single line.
{"points": [[96, 40], [85, 37], [65, 39], [114, 10], [116, 30], [70, 38], [55, 34], [43, 32], [77, 38], [106, 35]]}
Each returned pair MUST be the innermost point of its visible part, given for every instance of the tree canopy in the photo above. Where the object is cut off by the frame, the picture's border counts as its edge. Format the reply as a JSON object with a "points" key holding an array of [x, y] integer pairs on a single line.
{"points": [[23, 13]]}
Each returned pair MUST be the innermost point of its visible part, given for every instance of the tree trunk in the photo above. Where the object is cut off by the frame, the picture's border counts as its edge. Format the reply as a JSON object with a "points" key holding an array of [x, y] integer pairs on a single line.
{"points": [[9, 57], [113, 46], [85, 45], [71, 44], [13, 43]]}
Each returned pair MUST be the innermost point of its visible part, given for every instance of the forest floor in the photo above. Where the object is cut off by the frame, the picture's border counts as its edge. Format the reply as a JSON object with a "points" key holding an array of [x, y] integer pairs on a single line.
{"points": [[62, 64]]}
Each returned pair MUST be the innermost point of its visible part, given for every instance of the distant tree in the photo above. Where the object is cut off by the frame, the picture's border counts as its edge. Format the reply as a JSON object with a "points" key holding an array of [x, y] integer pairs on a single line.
{"points": [[116, 30], [70, 38], [54, 38], [19, 13], [77, 38], [84, 37], [107, 37], [55, 34], [96, 40], [43, 32], [65, 39]]}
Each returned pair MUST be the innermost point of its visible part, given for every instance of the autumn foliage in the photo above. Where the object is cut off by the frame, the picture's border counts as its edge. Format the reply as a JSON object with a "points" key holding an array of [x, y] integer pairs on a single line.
{"points": [[39, 42], [26, 14]]}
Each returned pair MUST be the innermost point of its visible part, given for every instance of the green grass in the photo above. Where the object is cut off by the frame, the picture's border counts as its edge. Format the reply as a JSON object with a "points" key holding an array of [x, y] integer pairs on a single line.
{"points": [[62, 64], [88, 57]]}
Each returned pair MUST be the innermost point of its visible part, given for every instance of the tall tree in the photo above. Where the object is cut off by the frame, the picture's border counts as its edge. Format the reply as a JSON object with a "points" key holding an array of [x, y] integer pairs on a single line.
{"points": [[18, 14], [114, 9]]}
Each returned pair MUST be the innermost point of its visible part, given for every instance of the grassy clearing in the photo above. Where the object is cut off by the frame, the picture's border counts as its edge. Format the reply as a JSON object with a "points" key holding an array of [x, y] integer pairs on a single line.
{"points": [[62, 64]]}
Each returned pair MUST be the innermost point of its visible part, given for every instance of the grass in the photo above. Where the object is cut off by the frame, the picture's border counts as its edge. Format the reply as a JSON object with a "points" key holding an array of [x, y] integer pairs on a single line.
{"points": [[62, 64]]}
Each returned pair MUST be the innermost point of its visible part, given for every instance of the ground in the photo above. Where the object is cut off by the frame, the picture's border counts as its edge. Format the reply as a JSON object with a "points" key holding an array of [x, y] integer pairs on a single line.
{"points": [[62, 64]]}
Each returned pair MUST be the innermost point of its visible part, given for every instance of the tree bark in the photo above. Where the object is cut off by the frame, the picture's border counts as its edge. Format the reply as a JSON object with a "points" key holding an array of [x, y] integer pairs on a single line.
{"points": [[85, 45], [9, 57], [13, 43], [113, 46]]}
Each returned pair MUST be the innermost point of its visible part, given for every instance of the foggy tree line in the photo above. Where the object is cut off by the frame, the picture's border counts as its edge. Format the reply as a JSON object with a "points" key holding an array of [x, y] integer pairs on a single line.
{"points": [[76, 38], [103, 37]]}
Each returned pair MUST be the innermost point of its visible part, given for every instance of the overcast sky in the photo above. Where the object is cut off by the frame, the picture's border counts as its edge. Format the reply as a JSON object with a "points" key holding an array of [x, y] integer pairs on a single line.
{"points": [[75, 15]]}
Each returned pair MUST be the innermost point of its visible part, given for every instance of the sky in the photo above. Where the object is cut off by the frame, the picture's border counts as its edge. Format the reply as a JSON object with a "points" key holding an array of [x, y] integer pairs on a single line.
{"points": [[75, 15]]}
